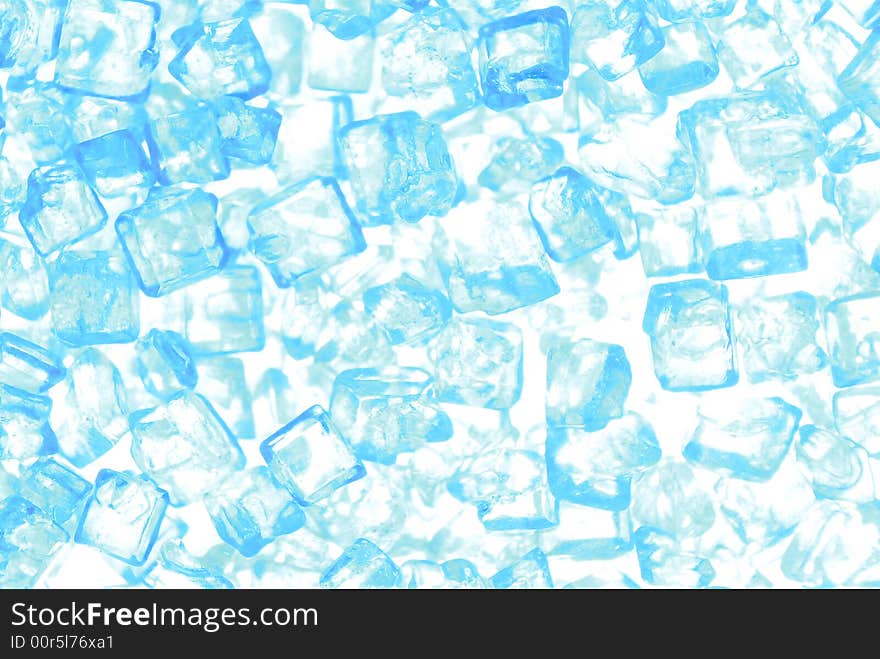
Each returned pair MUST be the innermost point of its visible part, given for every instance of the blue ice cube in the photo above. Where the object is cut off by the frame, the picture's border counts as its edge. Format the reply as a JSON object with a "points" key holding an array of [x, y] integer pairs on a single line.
{"points": [[691, 341], [663, 563], [28, 366], [304, 228], [455, 574], [754, 47], [426, 62], [492, 260], [866, 12], [860, 81], [851, 327], [387, 411], [165, 364], [857, 416], [669, 497], [60, 208], [178, 156], [222, 58], [39, 115], [310, 458], [338, 65], [524, 58], [600, 100], [362, 565], [250, 510], [123, 516], [687, 61], [54, 488], [478, 362], [107, 47], [29, 34], [750, 144], [28, 540], [115, 164], [858, 201], [668, 241], [172, 240], [348, 19], [838, 468], [247, 132], [517, 163], [25, 287], [184, 446], [175, 567], [224, 313], [399, 166], [530, 571], [586, 533], [587, 383], [686, 10], [594, 468], [94, 116], [407, 310], [747, 438], [93, 298], [24, 425], [777, 337], [222, 381], [91, 415], [569, 216], [615, 37]]}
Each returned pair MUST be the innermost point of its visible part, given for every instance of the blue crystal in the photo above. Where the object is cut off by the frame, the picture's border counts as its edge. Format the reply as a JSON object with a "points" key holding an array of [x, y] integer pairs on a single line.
{"points": [[177, 568], [614, 37], [25, 287], [304, 228], [860, 81], [517, 163], [57, 490], [857, 417], [586, 533], [247, 133], [123, 516], [115, 163], [362, 565], [250, 511], [307, 144], [689, 325], [282, 36], [594, 468], [60, 208], [524, 58], [222, 58], [686, 62], [165, 364], [407, 310], [29, 33], [747, 438], [400, 168], [184, 446], [385, 412], [850, 324], [172, 240], [28, 540], [754, 47], [479, 363], [108, 48], [93, 299], [37, 113], [686, 10], [601, 100], [340, 65], [663, 563], [838, 468], [858, 202], [222, 381], [181, 158], [310, 458], [530, 571], [668, 241], [669, 497], [24, 425], [455, 574], [348, 19], [28, 366]]}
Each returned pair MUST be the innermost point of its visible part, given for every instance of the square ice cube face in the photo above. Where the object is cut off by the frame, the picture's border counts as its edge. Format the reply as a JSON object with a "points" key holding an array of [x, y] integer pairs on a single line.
{"points": [[586, 533], [851, 326], [524, 58], [250, 510], [224, 314], [305, 227], [407, 310], [587, 383], [399, 168], [220, 59], [754, 47], [747, 439], [348, 19], [123, 516], [172, 240], [668, 241], [60, 208], [107, 47], [749, 144], [57, 490], [30, 34], [663, 562], [568, 215], [860, 81], [115, 164], [687, 61], [753, 238], [28, 539], [187, 146], [93, 299], [478, 363], [307, 144], [676, 11], [27, 366], [164, 363], [25, 290], [310, 458], [692, 345], [615, 37], [492, 259], [530, 572], [184, 446], [247, 133], [599, 100], [24, 425]]}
